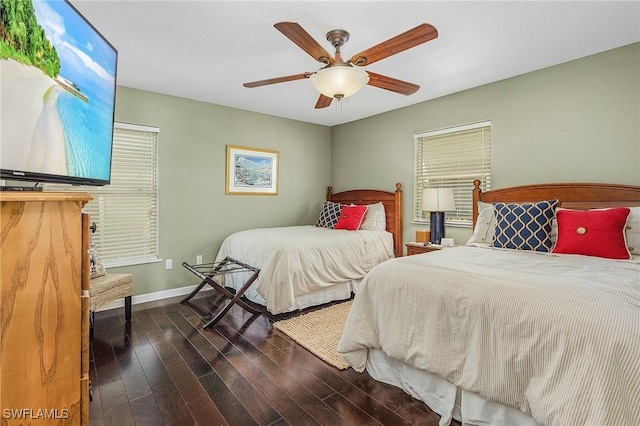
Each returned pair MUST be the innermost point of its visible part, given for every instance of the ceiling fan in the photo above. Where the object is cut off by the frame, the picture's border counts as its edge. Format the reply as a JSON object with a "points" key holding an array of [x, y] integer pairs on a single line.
{"points": [[339, 79]]}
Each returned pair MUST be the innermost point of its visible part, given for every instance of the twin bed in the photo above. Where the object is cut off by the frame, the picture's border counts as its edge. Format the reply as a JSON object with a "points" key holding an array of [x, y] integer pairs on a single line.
{"points": [[512, 336], [303, 266]]}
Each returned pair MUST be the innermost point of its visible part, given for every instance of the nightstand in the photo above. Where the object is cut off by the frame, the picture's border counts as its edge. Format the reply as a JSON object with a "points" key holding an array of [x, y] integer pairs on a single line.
{"points": [[419, 248]]}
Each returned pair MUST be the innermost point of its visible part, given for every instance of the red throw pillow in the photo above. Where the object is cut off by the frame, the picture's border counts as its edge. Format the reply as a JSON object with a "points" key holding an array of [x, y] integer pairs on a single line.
{"points": [[593, 232], [351, 217]]}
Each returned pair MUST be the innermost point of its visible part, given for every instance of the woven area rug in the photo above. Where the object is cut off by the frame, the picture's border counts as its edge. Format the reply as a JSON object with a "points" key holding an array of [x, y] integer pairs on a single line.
{"points": [[319, 332]]}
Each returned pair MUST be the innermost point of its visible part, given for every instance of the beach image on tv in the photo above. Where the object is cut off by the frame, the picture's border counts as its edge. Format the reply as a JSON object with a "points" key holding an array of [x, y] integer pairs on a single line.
{"points": [[57, 91]]}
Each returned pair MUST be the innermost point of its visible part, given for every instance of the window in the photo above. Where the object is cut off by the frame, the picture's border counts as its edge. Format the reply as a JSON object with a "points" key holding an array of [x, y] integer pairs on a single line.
{"points": [[125, 211], [453, 158]]}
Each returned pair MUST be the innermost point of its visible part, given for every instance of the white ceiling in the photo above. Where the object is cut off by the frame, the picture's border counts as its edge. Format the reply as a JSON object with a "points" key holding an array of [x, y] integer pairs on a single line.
{"points": [[205, 50]]}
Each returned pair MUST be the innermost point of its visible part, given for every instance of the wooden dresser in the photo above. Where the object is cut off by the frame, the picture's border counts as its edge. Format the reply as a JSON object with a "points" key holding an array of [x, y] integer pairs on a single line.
{"points": [[44, 308]]}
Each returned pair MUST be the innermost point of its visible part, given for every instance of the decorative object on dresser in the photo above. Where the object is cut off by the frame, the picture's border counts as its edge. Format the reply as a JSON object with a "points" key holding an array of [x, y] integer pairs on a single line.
{"points": [[437, 201], [419, 248], [44, 350]]}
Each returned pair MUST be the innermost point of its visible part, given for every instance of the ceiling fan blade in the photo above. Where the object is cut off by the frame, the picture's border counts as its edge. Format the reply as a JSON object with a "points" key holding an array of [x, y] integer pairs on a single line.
{"points": [[277, 80], [392, 84], [294, 32], [323, 101], [415, 36]]}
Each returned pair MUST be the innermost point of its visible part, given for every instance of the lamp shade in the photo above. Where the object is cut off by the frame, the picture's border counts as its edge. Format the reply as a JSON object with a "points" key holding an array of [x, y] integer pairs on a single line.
{"points": [[339, 81], [438, 200]]}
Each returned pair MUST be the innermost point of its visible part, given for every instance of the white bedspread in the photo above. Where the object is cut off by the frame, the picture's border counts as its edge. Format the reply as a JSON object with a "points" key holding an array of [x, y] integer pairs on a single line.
{"points": [[296, 260], [557, 337]]}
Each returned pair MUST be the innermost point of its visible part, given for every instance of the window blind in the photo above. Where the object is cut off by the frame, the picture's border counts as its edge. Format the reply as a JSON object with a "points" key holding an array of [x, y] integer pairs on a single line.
{"points": [[453, 158], [125, 211]]}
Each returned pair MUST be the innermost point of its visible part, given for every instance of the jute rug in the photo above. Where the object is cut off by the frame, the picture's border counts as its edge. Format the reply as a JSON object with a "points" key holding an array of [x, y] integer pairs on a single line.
{"points": [[319, 332]]}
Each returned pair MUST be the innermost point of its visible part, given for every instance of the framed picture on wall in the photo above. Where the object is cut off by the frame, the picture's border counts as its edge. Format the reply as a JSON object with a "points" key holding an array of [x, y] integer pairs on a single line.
{"points": [[251, 171]]}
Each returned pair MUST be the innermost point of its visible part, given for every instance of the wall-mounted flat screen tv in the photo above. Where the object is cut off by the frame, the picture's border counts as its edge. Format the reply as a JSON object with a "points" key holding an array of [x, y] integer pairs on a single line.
{"points": [[57, 94]]}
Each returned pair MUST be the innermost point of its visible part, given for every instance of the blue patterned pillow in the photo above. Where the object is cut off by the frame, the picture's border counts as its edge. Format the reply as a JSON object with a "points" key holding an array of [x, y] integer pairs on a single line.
{"points": [[524, 226], [329, 214]]}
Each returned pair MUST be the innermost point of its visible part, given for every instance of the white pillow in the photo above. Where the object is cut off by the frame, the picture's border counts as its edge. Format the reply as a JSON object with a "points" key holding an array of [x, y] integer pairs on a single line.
{"points": [[633, 231], [375, 219], [485, 226]]}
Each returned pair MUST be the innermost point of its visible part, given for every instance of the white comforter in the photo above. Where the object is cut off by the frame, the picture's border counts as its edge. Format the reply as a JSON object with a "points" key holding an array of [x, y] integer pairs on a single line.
{"points": [[296, 260], [557, 337]]}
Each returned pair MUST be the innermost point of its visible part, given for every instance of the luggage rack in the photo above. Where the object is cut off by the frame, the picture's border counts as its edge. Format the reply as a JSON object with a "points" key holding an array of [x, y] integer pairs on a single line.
{"points": [[207, 271]]}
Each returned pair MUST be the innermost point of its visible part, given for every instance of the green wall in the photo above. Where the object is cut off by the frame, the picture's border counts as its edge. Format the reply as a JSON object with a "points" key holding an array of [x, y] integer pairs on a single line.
{"points": [[578, 121], [195, 215]]}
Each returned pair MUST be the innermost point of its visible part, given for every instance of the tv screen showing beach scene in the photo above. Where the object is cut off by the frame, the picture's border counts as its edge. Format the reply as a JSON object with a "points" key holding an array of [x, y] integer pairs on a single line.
{"points": [[57, 94]]}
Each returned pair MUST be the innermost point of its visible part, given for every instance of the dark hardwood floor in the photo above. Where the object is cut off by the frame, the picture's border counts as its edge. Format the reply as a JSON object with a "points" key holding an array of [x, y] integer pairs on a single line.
{"points": [[164, 368]]}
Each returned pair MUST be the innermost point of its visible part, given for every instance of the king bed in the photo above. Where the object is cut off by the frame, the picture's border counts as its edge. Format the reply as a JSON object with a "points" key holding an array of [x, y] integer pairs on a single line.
{"points": [[303, 266], [523, 325]]}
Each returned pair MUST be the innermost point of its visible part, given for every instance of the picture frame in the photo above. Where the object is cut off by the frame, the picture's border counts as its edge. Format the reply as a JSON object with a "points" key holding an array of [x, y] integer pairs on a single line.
{"points": [[251, 171]]}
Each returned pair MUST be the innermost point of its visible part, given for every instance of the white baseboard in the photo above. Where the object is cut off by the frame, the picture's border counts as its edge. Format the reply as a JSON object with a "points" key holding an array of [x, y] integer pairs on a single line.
{"points": [[152, 297]]}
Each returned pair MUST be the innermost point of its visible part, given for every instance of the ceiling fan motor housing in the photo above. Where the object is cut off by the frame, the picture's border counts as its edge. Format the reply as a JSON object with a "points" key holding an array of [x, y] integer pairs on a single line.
{"points": [[337, 38]]}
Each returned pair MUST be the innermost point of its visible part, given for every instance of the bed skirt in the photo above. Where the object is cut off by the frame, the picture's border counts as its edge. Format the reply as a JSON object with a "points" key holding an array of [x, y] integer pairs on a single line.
{"points": [[340, 291], [442, 397]]}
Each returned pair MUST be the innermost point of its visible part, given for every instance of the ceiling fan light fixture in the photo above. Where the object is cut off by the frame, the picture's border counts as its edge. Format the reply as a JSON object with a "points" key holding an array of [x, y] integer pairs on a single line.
{"points": [[339, 81]]}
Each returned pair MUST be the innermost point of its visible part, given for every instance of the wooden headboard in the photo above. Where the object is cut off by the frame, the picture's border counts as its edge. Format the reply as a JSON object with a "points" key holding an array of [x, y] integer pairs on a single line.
{"points": [[392, 202], [581, 196]]}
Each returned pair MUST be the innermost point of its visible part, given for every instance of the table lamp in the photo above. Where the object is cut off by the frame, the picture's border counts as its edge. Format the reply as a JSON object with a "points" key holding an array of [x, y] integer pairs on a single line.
{"points": [[437, 201]]}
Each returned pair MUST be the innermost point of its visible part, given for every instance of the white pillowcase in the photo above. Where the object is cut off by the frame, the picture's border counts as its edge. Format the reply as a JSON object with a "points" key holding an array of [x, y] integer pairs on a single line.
{"points": [[485, 226], [633, 231], [376, 218]]}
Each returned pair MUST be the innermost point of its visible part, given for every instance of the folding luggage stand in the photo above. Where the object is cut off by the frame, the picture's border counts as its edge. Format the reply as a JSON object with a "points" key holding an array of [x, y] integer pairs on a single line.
{"points": [[207, 271]]}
